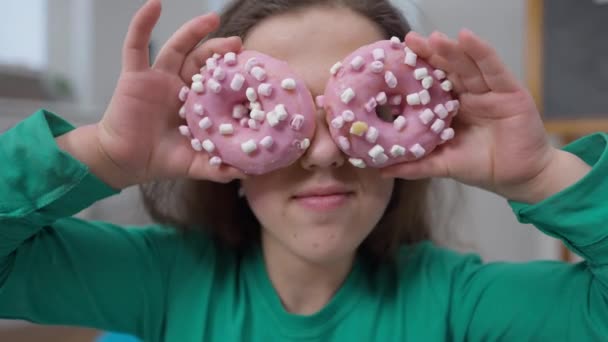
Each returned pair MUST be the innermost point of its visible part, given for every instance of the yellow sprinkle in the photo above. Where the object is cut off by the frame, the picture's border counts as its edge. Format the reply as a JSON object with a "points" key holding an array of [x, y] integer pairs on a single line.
{"points": [[359, 128]]}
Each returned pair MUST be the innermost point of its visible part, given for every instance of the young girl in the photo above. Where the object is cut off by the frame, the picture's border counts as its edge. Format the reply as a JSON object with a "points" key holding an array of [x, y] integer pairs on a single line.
{"points": [[266, 266]]}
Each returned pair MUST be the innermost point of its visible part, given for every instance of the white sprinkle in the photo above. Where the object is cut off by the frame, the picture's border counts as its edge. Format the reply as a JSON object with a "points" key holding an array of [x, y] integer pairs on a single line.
{"points": [[400, 123], [426, 116], [281, 112], [237, 82], [305, 144], [441, 111], [450, 106], [267, 142], [344, 143], [377, 67], [376, 151], [265, 89], [272, 118], [297, 122], [418, 151], [438, 126], [198, 87], [320, 101], [379, 54], [205, 123], [253, 124], [183, 93], [425, 97], [255, 105], [219, 74], [198, 109], [381, 98], [395, 42], [421, 73], [371, 105], [347, 95], [226, 129], [243, 122], [215, 161], [338, 122], [230, 58], [348, 116], [249, 146], [397, 151], [258, 73], [427, 82], [357, 63], [381, 159], [197, 78], [208, 145], [413, 99], [396, 100], [214, 86], [358, 163], [447, 134], [439, 74], [288, 84], [182, 112], [390, 80], [211, 63], [372, 135], [447, 86], [239, 111], [185, 131], [251, 62], [335, 68], [196, 145], [252, 96], [411, 59], [216, 56]]}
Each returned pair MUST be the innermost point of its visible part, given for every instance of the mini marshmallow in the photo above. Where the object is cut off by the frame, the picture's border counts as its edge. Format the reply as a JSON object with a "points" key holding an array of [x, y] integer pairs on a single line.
{"points": [[305, 144], [376, 151], [438, 126], [447, 86], [372, 135], [182, 112], [216, 56], [358, 128], [272, 118], [447, 134], [237, 82], [252, 96], [183, 93], [265, 89], [215, 161], [427, 82], [320, 101], [441, 111], [253, 124], [249, 146], [400, 123], [347, 95], [377, 67], [185, 131], [251, 62], [288, 84], [348, 116], [211, 63], [452, 106], [198, 87], [243, 122], [214, 86], [205, 123], [208, 146], [396, 100], [258, 73], [395, 42], [358, 163], [257, 115], [281, 112], [379, 54], [398, 151], [230, 59], [239, 111], [357, 63], [390, 80], [197, 78], [381, 159], [255, 105], [198, 109], [219, 74], [413, 99], [335, 68], [297, 122], [338, 122], [425, 97], [426, 116], [196, 145], [418, 151], [371, 105], [411, 59], [267, 142], [439, 74], [344, 143], [421, 73], [381, 98]]}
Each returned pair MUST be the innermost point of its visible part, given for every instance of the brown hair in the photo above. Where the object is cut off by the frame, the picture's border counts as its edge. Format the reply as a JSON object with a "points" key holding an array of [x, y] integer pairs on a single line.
{"points": [[217, 209]]}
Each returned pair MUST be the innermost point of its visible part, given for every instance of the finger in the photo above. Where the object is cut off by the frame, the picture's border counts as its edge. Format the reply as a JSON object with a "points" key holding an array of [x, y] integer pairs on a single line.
{"points": [[135, 54], [196, 58], [429, 167], [496, 75], [459, 63], [173, 54]]}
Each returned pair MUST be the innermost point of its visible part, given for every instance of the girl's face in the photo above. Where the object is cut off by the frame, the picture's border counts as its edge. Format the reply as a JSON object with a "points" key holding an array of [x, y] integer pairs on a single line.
{"points": [[321, 208]]}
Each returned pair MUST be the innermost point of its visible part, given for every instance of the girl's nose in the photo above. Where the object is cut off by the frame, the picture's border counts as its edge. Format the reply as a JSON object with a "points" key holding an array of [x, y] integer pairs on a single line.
{"points": [[323, 151]]}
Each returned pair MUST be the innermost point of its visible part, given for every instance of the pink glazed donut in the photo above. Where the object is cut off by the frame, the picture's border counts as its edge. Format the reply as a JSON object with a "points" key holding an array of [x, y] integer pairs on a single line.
{"points": [[248, 110], [386, 106]]}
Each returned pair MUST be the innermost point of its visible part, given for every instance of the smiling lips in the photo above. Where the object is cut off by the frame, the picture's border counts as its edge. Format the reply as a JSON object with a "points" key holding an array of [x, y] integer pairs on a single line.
{"points": [[324, 198]]}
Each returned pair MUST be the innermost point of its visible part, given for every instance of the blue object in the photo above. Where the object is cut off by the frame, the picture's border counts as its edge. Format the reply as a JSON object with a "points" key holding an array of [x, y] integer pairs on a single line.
{"points": [[114, 337]]}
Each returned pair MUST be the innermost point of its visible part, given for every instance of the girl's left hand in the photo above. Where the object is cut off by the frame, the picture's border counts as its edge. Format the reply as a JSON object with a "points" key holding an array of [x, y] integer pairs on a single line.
{"points": [[500, 144]]}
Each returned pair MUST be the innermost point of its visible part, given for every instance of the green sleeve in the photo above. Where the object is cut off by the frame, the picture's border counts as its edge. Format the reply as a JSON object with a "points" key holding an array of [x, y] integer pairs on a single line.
{"points": [[544, 301], [60, 270]]}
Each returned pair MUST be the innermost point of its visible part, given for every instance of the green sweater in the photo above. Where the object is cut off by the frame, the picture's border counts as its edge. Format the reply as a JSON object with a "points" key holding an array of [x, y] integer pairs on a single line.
{"points": [[165, 286]]}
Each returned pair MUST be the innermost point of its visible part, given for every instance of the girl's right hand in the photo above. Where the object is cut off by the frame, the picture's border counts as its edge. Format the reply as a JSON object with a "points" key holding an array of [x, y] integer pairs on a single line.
{"points": [[137, 139]]}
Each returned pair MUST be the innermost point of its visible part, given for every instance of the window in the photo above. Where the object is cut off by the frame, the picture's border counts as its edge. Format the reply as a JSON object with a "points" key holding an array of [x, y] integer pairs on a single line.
{"points": [[23, 33]]}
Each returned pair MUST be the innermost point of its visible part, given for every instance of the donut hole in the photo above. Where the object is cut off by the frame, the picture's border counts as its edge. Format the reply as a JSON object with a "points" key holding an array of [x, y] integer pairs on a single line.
{"points": [[388, 113]]}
